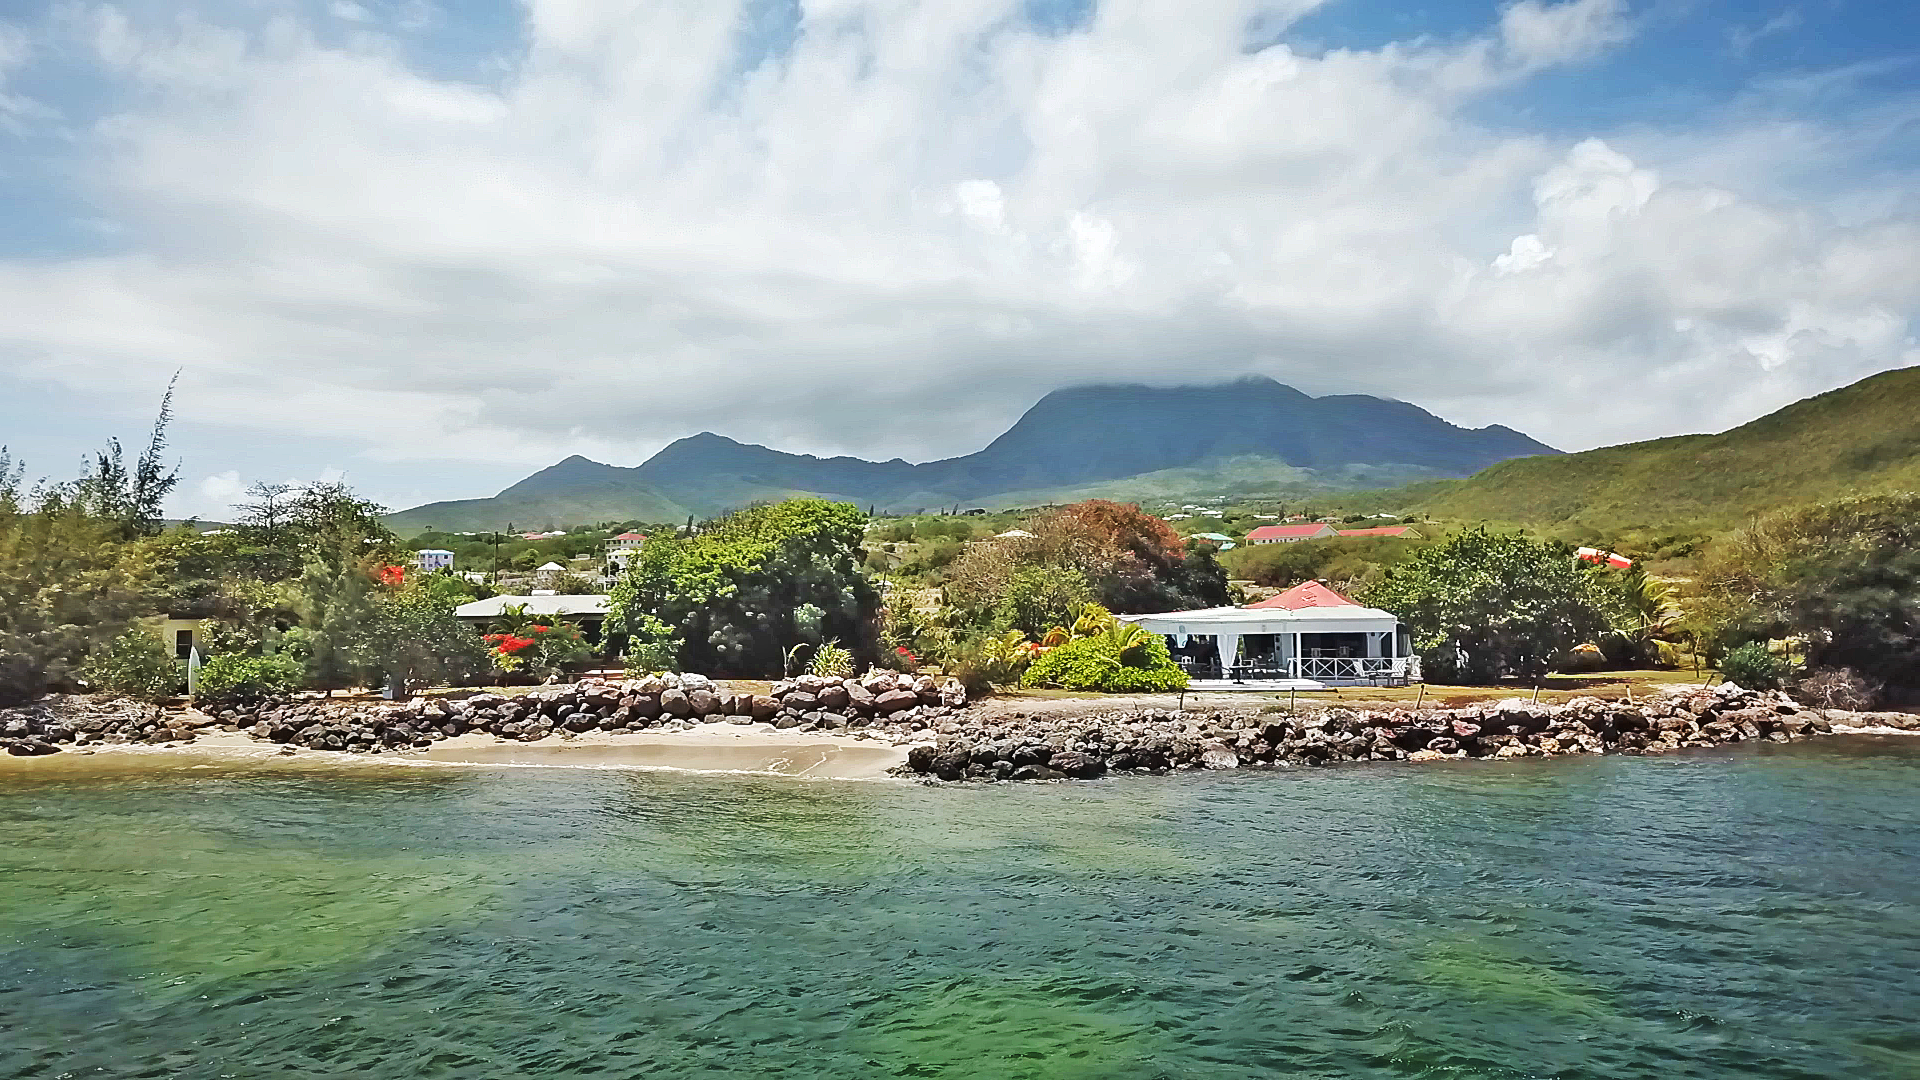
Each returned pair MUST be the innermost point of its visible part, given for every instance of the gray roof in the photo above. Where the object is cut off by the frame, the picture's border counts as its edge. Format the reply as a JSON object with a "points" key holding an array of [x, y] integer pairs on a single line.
{"points": [[490, 608]]}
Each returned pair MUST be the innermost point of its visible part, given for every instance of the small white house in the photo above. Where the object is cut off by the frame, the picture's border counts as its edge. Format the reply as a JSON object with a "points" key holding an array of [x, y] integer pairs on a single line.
{"points": [[432, 559]]}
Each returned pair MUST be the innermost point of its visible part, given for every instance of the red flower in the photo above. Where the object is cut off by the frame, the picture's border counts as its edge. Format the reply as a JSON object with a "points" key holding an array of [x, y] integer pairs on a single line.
{"points": [[391, 575], [507, 644]]}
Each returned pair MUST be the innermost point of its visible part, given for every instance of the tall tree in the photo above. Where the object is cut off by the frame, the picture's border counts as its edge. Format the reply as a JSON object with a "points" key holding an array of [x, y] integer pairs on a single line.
{"points": [[743, 589], [1482, 605]]}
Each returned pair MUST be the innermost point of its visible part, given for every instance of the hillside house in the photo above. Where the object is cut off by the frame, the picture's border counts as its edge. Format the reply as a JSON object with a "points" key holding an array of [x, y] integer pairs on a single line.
{"points": [[1290, 534], [430, 560], [621, 549]]}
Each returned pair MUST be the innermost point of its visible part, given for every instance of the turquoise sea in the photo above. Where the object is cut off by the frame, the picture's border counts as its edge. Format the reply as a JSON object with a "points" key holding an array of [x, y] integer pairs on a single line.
{"points": [[1747, 913]]}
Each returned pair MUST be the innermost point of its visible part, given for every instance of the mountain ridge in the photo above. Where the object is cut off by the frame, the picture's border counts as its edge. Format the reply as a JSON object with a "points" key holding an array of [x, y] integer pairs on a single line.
{"points": [[1074, 438]]}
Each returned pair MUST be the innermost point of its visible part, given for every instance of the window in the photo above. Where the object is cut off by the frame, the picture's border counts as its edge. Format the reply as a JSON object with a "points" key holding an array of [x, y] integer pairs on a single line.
{"points": [[182, 644]]}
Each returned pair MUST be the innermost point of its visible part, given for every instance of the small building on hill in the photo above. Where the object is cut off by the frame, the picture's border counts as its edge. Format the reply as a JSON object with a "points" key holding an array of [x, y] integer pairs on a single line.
{"points": [[432, 559], [1290, 534]]}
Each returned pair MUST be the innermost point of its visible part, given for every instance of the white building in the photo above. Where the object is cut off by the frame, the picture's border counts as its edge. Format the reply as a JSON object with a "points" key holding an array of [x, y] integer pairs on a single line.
{"points": [[1307, 638], [621, 550], [432, 559]]}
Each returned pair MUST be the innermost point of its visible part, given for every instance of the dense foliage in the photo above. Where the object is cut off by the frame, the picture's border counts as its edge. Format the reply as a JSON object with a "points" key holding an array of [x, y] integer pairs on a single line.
{"points": [[1843, 578], [745, 589], [239, 675], [1122, 660], [1347, 563], [414, 639], [1754, 667], [1483, 605], [137, 664]]}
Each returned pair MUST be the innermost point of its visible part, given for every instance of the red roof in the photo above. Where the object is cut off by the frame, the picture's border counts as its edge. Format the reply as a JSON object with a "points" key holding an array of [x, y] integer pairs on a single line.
{"points": [[631, 536], [1278, 532], [1307, 594], [1379, 530]]}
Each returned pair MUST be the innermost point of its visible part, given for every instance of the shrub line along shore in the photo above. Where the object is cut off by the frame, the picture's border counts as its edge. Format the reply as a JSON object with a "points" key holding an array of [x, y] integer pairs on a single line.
{"points": [[946, 739]]}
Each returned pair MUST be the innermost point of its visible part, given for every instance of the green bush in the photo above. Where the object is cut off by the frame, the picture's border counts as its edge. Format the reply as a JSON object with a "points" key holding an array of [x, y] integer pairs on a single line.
{"points": [[1107, 664], [232, 675], [1751, 666], [830, 661], [137, 664]]}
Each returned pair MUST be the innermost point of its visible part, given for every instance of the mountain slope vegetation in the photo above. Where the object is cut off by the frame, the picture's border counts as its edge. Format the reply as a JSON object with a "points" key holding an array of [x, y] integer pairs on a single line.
{"points": [[1858, 439]]}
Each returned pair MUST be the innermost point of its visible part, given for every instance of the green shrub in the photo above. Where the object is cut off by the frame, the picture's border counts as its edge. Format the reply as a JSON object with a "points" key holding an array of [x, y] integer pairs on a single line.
{"points": [[1754, 668], [830, 661], [233, 675], [137, 664], [1109, 663]]}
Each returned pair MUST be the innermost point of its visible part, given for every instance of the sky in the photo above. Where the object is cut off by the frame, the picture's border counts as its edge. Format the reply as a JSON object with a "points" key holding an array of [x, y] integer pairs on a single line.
{"points": [[430, 247]]}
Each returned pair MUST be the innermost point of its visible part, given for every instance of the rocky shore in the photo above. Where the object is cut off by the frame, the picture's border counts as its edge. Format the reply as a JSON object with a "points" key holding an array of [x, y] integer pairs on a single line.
{"points": [[1156, 741], [951, 741], [895, 704]]}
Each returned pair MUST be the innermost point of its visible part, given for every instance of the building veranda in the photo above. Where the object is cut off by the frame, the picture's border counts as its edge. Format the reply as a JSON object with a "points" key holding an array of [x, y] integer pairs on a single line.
{"points": [[1307, 638]]}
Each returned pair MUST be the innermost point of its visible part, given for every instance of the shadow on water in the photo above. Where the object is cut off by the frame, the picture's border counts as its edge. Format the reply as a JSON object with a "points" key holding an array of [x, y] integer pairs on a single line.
{"points": [[1735, 914]]}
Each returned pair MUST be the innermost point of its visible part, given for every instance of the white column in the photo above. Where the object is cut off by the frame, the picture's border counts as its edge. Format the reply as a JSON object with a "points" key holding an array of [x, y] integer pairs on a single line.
{"points": [[1374, 643]]}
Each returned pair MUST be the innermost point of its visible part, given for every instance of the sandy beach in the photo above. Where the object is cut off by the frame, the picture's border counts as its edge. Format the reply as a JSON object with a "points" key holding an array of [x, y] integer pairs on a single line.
{"points": [[719, 747]]}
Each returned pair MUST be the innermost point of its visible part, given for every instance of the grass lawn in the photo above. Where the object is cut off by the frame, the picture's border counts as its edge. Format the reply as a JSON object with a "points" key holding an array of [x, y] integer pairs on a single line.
{"points": [[1603, 684]]}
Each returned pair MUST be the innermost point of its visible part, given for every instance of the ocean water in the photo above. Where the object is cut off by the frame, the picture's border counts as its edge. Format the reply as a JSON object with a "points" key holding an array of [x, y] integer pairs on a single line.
{"points": [[1753, 912]]}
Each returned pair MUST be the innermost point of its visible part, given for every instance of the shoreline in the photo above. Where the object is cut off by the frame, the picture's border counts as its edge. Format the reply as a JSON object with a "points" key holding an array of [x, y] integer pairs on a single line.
{"points": [[708, 748], [929, 737]]}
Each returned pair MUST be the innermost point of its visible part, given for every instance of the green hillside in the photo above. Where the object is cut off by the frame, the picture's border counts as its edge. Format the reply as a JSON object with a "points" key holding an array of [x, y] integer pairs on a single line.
{"points": [[1236, 477], [1860, 438], [527, 512]]}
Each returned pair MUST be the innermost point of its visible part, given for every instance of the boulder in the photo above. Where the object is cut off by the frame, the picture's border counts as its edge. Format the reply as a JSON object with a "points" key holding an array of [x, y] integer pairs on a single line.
{"points": [[1217, 756], [675, 703], [702, 702], [894, 701], [834, 697], [1077, 765], [763, 707], [950, 765], [953, 693], [800, 701]]}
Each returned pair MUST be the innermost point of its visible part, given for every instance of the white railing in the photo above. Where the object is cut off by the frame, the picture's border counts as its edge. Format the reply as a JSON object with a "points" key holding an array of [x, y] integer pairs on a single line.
{"points": [[1340, 670], [1355, 669]]}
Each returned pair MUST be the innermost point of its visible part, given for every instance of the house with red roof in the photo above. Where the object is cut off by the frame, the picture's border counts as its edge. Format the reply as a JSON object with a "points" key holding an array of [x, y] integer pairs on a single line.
{"points": [[1290, 534], [1404, 532], [1307, 594], [622, 548]]}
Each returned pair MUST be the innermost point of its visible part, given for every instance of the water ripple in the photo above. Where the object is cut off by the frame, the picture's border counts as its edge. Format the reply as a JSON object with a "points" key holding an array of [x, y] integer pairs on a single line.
{"points": [[1730, 914]]}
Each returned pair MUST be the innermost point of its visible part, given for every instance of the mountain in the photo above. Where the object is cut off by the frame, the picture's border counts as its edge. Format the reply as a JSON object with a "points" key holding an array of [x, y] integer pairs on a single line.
{"points": [[1860, 438], [1105, 439]]}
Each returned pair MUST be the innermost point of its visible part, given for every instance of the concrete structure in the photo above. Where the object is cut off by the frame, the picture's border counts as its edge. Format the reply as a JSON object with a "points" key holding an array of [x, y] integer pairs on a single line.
{"points": [[432, 559], [1404, 532], [1290, 534]]}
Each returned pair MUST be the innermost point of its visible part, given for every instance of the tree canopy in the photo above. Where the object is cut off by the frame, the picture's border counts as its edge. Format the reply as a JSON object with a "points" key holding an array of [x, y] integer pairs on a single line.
{"points": [[1483, 605], [1843, 577], [746, 588]]}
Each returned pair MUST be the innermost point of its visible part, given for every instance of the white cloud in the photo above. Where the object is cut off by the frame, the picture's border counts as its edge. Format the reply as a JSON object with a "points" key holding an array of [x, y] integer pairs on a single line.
{"points": [[1538, 35], [892, 237], [217, 494]]}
